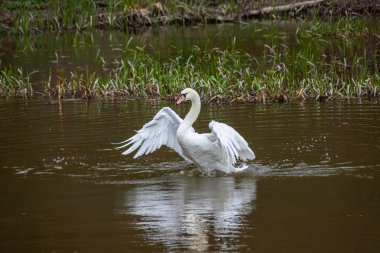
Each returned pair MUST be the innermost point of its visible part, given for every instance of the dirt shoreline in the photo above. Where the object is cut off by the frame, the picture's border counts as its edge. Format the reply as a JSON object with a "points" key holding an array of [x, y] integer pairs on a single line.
{"points": [[215, 12]]}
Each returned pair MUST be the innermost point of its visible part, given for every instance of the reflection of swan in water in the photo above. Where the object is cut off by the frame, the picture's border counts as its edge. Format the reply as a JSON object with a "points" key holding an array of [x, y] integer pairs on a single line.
{"points": [[190, 212]]}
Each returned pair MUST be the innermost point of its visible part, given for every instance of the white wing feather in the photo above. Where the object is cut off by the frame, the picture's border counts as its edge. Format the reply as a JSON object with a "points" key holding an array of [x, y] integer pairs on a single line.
{"points": [[161, 130], [233, 145]]}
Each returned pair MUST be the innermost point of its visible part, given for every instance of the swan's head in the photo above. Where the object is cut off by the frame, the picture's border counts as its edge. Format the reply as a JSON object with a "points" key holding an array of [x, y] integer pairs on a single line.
{"points": [[186, 95]]}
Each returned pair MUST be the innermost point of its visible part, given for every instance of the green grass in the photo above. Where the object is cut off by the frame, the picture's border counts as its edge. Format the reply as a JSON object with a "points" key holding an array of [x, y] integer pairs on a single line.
{"points": [[57, 15], [320, 67], [230, 75], [218, 75], [347, 28], [14, 82]]}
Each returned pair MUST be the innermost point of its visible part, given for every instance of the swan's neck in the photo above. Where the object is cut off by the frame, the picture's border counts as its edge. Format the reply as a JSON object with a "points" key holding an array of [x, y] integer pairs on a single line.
{"points": [[195, 109]]}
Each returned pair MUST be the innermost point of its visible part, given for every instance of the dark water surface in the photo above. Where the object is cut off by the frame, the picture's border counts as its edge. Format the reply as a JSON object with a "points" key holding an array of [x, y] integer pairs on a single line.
{"points": [[314, 187]]}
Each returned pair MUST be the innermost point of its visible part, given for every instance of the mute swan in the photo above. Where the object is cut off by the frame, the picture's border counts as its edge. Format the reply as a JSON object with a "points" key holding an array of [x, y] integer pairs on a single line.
{"points": [[218, 150]]}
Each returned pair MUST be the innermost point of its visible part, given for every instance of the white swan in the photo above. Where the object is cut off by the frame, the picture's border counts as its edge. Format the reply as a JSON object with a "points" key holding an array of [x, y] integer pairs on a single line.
{"points": [[218, 150]]}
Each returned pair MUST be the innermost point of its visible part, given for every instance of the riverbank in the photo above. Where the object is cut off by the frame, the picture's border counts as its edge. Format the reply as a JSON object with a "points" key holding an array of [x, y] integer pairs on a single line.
{"points": [[225, 75], [320, 60], [35, 16]]}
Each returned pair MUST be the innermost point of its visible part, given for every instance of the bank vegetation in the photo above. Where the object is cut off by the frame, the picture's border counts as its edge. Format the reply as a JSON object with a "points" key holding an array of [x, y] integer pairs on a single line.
{"points": [[34, 16]]}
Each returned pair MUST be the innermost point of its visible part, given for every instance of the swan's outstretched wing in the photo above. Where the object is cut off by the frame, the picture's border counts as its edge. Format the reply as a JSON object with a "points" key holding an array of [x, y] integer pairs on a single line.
{"points": [[233, 145], [161, 130]]}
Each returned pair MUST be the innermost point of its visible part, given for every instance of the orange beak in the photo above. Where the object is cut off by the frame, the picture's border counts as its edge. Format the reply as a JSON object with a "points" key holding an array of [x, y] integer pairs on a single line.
{"points": [[180, 99]]}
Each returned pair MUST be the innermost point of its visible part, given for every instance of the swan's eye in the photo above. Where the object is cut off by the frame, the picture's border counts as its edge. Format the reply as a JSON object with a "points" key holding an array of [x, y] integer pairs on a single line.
{"points": [[184, 95]]}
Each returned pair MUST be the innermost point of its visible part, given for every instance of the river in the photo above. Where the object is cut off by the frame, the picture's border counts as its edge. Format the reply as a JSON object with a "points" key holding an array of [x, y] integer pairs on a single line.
{"points": [[314, 186]]}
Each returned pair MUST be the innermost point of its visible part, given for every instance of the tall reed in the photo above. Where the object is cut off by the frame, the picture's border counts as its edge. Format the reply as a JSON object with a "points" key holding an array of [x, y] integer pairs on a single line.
{"points": [[232, 75], [14, 82]]}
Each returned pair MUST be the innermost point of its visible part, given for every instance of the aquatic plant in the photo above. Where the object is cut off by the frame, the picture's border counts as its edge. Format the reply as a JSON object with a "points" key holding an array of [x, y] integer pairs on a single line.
{"points": [[230, 75], [347, 27], [22, 22], [316, 69], [14, 82]]}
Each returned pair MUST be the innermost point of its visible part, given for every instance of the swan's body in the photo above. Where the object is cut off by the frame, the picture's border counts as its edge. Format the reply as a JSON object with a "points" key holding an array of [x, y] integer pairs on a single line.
{"points": [[217, 150]]}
